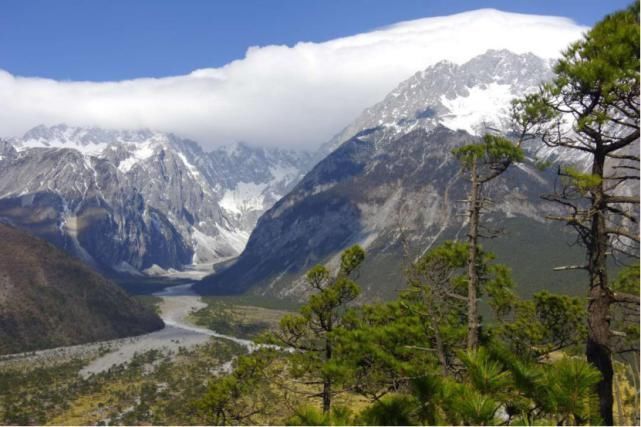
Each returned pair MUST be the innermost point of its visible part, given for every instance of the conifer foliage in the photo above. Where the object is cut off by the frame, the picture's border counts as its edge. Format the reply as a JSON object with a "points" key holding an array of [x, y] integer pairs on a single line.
{"points": [[312, 331]]}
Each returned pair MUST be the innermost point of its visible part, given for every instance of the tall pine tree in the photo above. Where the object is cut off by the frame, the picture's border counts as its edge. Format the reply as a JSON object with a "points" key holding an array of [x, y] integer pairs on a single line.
{"points": [[591, 107]]}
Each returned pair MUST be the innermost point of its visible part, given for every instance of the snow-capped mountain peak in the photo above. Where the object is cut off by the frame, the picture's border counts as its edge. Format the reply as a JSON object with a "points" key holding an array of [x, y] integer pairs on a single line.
{"points": [[467, 96], [92, 141], [140, 198]]}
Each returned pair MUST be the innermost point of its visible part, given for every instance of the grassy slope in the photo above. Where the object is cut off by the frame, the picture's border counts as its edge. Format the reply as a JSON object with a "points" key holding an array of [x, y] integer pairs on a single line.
{"points": [[230, 317]]}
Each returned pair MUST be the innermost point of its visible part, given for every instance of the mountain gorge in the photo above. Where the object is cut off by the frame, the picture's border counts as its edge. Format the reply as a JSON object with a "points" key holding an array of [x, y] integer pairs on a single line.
{"points": [[140, 201], [391, 184]]}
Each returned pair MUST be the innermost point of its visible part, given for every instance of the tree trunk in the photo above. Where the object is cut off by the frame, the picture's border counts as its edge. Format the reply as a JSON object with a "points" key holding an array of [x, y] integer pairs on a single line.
{"points": [[327, 382], [472, 271], [599, 356], [327, 396], [599, 297], [440, 348]]}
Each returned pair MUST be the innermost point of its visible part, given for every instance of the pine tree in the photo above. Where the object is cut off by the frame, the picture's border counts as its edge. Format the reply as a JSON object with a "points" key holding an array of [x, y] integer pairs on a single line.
{"points": [[484, 162], [238, 397], [542, 325], [591, 107], [312, 332]]}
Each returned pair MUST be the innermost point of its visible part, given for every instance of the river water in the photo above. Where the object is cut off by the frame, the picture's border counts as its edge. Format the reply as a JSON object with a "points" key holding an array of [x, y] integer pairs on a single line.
{"points": [[177, 303]]}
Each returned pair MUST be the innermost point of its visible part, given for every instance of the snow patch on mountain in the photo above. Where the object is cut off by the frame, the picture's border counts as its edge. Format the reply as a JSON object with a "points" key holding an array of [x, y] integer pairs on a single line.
{"points": [[193, 170], [205, 247], [284, 173], [139, 153], [236, 238], [247, 196], [94, 149], [482, 105]]}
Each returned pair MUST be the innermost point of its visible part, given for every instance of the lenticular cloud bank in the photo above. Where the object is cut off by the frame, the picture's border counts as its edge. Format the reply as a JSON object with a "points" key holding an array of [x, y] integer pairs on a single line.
{"points": [[295, 96]]}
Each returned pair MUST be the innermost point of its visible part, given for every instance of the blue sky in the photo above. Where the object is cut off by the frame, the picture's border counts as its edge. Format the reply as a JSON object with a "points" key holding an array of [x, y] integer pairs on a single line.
{"points": [[115, 40]]}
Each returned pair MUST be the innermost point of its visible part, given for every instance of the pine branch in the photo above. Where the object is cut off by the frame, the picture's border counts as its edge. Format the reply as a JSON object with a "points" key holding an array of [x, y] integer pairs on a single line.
{"points": [[622, 199], [416, 347], [622, 142], [625, 298], [623, 213], [621, 177], [622, 232], [570, 267], [624, 157]]}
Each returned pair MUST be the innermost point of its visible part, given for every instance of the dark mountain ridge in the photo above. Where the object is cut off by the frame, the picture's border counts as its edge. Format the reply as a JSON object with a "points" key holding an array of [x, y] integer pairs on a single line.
{"points": [[48, 299]]}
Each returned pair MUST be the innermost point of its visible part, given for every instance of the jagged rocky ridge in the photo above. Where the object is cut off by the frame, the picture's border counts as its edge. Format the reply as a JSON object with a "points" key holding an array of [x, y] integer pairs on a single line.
{"points": [[391, 184], [140, 201]]}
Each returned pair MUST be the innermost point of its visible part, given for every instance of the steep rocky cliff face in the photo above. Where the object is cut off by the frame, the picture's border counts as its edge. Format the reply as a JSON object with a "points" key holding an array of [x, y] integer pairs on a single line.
{"points": [[140, 201], [391, 184], [48, 299]]}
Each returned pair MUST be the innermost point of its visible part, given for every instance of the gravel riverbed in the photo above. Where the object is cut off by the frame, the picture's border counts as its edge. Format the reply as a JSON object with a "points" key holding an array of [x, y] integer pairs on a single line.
{"points": [[177, 303]]}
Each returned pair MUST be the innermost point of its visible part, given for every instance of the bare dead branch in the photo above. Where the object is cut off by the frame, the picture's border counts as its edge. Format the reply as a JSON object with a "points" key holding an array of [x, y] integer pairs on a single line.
{"points": [[622, 199]]}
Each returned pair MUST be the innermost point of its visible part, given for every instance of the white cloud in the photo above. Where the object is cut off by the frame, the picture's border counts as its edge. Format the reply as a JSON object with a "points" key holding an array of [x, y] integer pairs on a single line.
{"points": [[278, 95]]}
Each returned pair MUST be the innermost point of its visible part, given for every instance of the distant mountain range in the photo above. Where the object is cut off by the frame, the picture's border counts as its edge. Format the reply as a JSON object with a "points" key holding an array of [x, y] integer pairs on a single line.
{"points": [[48, 299], [140, 201]]}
